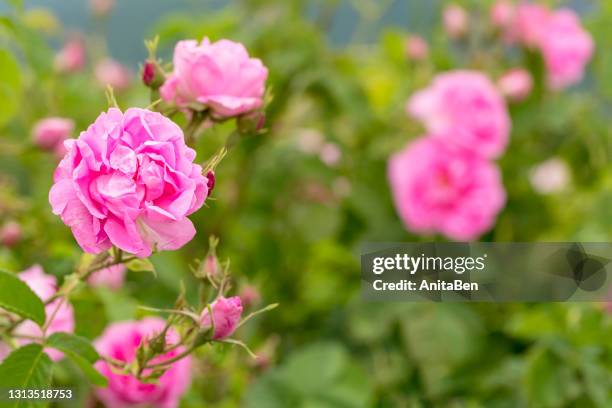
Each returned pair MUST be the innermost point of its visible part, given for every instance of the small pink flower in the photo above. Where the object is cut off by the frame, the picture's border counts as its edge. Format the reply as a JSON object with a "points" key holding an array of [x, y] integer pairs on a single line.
{"points": [[10, 234], [566, 47], [330, 154], [502, 14], [110, 72], [416, 48], [45, 286], [120, 341], [49, 133], [516, 84], [219, 75], [71, 58], [465, 108], [455, 20], [111, 277], [102, 7], [250, 296], [439, 187], [129, 180], [551, 176], [226, 316], [529, 24]]}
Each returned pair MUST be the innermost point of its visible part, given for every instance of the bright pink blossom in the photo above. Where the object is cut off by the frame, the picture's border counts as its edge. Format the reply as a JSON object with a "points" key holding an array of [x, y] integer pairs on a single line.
{"points": [[50, 133], [71, 58], [455, 20], [515, 84], [226, 316], [129, 180], [111, 277], [439, 187], [218, 75], [530, 23], [464, 107], [110, 72], [120, 341]]}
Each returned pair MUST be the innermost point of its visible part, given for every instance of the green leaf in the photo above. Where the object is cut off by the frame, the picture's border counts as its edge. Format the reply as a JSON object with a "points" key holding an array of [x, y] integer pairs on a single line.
{"points": [[140, 265], [80, 351], [10, 86], [27, 367], [17, 297]]}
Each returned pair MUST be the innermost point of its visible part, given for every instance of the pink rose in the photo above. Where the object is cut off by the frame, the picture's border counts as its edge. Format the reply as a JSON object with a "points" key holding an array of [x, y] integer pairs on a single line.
{"points": [[416, 48], [550, 177], [502, 14], [250, 296], [50, 133], [110, 72], [220, 76], [530, 23], [330, 154], [455, 20], [120, 341], [439, 187], [465, 108], [129, 180], [10, 234], [515, 84], [71, 58], [566, 48], [226, 316], [111, 277], [45, 286]]}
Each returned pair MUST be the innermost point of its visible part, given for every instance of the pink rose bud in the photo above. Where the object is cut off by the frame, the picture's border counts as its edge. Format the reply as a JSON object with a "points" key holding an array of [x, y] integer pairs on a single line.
{"points": [[516, 84], [551, 176], [210, 181], [10, 234], [71, 58], [250, 296], [455, 20], [101, 8], [129, 180], [464, 108], [252, 122], [153, 75], [49, 133], [110, 72], [502, 14], [120, 341], [111, 277], [416, 48], [226, 316], [220, 76], [441, 188], [330, 154]]}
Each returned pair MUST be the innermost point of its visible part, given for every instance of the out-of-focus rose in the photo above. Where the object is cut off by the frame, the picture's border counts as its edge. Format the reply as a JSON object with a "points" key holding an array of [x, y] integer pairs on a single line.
{"points": [[111, 277], [551, 176], [102, 8], [566, 48], [120, 341], [455, 20], [226, 316], [10, 233], [310, 141], [330, 154], [110, 72], [45, 286], [71, 58], [50, 133], [516, 84], [219, 75], [502, 14], [530, 23], [129, 180], [250, 296], [416, 48], [439, 187], [465, 108]]}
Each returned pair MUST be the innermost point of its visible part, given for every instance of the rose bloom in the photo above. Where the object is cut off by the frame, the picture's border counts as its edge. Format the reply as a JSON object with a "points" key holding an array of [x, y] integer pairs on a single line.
{"points": [[110, 72], [226, 316], [502, 13], [464, 107], [120, 341], [516, 84], [529, 24], [10, 234], [219, 75], [50, 133], [455, 20], [416, 48], [129, 180], [71, 58], [111, 277], [566, 48], [45, 286], [439, 187]]}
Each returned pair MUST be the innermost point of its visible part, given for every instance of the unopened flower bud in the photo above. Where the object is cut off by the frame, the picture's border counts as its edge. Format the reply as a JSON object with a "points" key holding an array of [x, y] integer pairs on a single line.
{"points": [[252, 122], [226, 316], [152, 75], [455, 20], [10, 234]]}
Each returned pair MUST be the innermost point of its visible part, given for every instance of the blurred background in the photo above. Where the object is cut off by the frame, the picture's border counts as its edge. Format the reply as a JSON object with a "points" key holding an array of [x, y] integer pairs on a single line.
{"points": [[294, 206]]}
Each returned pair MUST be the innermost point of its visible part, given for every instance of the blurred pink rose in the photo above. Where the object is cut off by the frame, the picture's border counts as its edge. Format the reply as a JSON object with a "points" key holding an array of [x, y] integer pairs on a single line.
{"points": [[49, 133], [250, 296], [110, 72], [111, 277], [566, 48], [465, 108], [455, 20], [102, 7], [515, 84], [416, 48], [120, 341], [502, 14], [219, 75], [330, 154], [438, 187], [551, 176], [530, 23], [129, 180], [71, 58], [45, 286], [226, 316], [10, 234]]}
